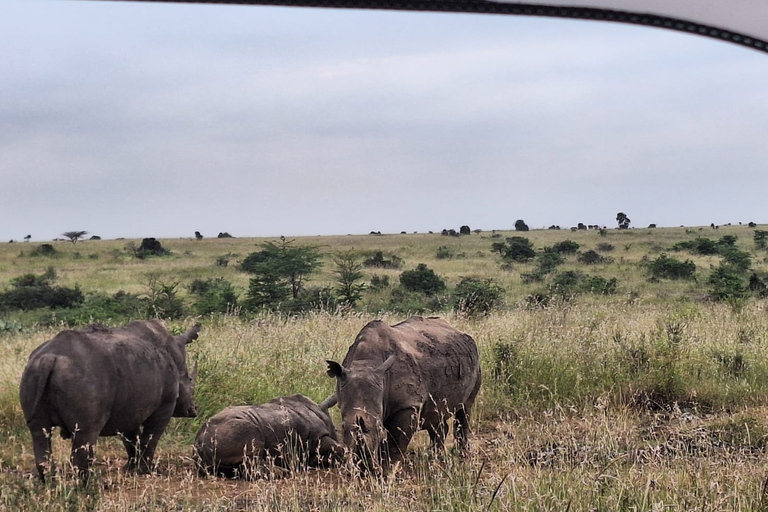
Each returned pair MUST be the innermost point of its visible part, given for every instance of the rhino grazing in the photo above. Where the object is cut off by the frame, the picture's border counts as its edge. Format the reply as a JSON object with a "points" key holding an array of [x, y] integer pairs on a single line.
{"points": [[98, 381], [291, 431], [397, 380]]}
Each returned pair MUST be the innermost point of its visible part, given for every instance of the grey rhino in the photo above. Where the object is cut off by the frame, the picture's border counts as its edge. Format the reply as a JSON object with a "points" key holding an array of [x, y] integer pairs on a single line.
{"points": [[98, 381], [292, 431], [397, 380]]}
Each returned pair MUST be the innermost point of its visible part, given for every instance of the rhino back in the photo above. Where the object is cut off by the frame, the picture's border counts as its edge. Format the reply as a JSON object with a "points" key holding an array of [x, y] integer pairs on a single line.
{"points": [[103, 378], [260, 430], [435, 361]]}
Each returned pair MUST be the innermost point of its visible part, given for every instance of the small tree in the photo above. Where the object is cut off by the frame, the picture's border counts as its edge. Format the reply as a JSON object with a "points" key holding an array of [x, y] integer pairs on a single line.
{"points": [[476, 296], [623, 220], [422, 279], [464, 230], [520, 225], [280, 270], [518, 249], [74, 236], [348, 274]]}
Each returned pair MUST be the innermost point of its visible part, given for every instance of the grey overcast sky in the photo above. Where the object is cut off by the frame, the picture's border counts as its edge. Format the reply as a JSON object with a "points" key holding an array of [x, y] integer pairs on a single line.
{"points": [[134, 120]]}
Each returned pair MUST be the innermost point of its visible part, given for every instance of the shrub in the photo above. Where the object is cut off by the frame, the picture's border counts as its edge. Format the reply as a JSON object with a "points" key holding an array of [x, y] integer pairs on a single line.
{"points": [[423, 280], [701, 245], [379, 282], [44, 250], [444, 252], [548, 261], [378, 261], [215, 295], [760, 237], [566, 247], [163, 301], [605, 247], [518, 249], [30, 291], [740, 261], [520, 225], [566, 284], [464, 230], [672, 268], [726, 283], [477, 296], [599, 285], [98, 307], [409, 302], [591, 257], [149, 247]]}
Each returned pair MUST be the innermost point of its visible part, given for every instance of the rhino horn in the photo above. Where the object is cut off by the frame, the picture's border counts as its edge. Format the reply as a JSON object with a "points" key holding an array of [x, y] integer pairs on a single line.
{"points": [[386, 365], [191, 335], [193, 375], [328, 403]]}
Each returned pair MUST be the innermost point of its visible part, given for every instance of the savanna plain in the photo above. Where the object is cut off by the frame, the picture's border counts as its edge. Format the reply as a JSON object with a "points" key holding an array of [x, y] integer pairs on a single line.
{"points": [[627, 372]]}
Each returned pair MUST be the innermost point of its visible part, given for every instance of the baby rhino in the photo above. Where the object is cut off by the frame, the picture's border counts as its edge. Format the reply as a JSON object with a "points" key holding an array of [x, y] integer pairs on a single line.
{"points": [[286, 433]]}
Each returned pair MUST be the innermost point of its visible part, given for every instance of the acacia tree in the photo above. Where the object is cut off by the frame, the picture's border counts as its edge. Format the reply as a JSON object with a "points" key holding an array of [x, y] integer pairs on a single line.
{"points": [[74, 236]]}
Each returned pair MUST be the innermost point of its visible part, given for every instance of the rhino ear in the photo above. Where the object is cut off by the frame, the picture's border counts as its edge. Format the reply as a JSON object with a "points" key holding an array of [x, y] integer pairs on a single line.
{"points": [[386, 365], [336, 370]]}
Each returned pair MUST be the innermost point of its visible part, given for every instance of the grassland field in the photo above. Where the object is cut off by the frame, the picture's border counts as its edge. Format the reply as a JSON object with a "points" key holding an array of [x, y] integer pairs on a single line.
{"points": [[651, 398]]}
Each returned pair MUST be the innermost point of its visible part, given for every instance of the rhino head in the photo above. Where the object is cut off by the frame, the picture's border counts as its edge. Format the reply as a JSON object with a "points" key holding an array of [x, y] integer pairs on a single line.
{"points": [[185, 402], [360, 394]]}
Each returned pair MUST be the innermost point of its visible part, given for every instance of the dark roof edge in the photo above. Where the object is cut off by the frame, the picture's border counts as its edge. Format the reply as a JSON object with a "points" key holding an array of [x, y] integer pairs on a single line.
{"points": [[488, 7]]}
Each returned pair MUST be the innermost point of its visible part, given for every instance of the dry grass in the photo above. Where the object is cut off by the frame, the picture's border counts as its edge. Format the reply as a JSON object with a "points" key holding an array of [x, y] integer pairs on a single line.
{"points": [[602, 403]]}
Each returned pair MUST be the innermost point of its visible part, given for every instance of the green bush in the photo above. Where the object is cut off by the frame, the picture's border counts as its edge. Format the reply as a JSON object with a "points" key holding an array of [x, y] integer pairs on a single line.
{"points": [[119, 308], [566, 247], [379, 282], [444, 253], [476, 296], [216, 295], [44, 250], [30, 291], [727, 283], [761, 238], [701, 245], [548, 261], [377, 260], [672, 268], [518, 249], [592, 257], [740, 261], [422, 280]]}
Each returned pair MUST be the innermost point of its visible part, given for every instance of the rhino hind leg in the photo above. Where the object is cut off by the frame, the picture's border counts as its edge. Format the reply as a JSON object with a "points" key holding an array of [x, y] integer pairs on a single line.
{"points": [[83, 443], [461, 430], [41, 443], [151, 431]]}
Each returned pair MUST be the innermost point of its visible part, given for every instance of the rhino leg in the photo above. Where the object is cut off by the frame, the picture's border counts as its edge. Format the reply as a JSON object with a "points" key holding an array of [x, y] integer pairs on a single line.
{"points": [[400, 428], [83, 442], [131, 442], [329, 453], [151, 431], [461, 430], [438, 431], [41, 442]]}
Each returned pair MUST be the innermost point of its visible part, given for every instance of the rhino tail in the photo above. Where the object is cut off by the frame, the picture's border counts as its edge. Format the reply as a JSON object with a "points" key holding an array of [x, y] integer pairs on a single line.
{"points": [[328, 403], [190, 335], [37, 381]]}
